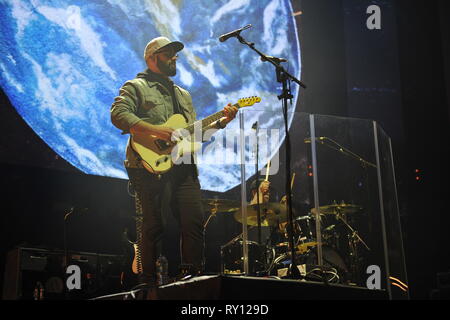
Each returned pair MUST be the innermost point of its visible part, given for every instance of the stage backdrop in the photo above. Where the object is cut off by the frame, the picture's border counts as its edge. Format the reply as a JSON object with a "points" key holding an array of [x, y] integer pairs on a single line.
{"points": [[63, 62]]}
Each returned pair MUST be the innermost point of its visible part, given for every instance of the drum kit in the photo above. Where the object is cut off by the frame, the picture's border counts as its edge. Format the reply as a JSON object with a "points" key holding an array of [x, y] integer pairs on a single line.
{"points": [[339, 241]]}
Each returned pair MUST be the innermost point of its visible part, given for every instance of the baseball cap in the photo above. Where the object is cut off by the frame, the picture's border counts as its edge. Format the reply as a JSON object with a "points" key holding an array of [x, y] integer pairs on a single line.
{"points": [[158, 43]]}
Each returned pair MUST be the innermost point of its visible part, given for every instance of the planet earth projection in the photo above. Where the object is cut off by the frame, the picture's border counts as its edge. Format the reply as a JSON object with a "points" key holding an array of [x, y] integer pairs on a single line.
{"points": [[63, 62]]}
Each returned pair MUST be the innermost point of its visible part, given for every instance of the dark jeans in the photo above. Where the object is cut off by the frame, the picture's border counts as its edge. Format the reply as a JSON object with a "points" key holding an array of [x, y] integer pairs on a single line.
{"points": [[179, 190]]}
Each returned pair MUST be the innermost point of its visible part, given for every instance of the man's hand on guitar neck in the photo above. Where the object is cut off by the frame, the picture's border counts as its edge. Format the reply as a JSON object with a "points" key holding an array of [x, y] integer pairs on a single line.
{"points": [[230, 113]]}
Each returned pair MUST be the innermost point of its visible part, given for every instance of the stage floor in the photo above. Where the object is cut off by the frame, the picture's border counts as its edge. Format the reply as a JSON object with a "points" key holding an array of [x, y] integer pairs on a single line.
{"points": [[227, 287]]}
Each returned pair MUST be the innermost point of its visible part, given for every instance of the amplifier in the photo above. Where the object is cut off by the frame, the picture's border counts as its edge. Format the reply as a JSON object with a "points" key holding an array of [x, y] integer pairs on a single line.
{"points": [[38, 274]]}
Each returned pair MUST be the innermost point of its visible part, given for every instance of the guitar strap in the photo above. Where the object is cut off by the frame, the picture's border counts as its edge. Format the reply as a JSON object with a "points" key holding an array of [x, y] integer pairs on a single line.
{"points": [[176, 104]]}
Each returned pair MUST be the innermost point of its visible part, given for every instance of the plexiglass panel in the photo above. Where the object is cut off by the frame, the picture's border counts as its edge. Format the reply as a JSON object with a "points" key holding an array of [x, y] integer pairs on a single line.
{"points": [[397, 280], [344, 227], [348, 199]]}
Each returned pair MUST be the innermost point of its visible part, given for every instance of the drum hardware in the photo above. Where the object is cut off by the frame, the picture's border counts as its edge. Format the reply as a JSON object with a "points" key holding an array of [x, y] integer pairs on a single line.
{"points": [[304, 235], [340, 212], [334, 269], [300, 248], [303, 242], [353, 240], [336, 208], [354, 234], [220, 205], [214, 206], [260, 257]]}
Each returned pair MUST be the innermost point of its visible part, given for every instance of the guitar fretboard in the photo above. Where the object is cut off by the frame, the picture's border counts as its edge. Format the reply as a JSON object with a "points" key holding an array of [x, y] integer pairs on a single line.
{"points": [[207, 121]]}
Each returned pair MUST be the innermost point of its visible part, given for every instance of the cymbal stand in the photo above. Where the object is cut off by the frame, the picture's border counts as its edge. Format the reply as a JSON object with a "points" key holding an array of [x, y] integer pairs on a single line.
{"points": [[354, 232], [239, 236], [353, 240]]}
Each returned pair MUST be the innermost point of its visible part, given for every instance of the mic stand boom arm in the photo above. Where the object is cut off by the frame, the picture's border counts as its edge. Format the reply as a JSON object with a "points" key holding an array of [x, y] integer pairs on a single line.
{"points": [[283, 76], [267, 58]]}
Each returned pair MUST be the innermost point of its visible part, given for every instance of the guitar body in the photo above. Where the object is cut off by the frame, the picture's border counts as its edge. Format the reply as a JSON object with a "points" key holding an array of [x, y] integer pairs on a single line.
{"points": [[158, 156], [131, 266]]}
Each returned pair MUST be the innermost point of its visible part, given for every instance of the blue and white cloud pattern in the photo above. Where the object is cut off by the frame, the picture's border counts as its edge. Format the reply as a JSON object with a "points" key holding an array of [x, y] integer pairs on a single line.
{"points": [[63, 62]]}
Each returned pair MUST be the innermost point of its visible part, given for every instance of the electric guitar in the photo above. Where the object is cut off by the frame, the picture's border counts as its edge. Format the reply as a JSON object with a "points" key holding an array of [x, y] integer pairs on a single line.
{"points": [[136, 265], [132, 266], [158, 156]]}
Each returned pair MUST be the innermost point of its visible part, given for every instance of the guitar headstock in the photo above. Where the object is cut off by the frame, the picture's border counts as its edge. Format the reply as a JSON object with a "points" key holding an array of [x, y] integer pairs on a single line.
{"points": [[247, 102]]}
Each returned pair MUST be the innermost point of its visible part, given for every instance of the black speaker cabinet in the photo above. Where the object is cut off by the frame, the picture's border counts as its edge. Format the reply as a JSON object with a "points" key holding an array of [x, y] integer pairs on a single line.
{"points": [[39, 274]]}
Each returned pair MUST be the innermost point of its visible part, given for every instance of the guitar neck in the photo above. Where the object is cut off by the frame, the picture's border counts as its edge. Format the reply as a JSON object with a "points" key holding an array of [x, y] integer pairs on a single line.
{"points": [[204, 123]]}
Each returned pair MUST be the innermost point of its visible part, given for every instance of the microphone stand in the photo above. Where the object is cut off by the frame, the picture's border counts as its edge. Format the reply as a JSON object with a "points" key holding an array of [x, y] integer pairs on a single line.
{"points": [[66, 251], [283, 77]]}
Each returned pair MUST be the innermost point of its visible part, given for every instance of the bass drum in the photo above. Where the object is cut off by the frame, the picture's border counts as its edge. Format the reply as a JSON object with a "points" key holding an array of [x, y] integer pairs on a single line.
{"points": [[335, 269], [260, 258]]}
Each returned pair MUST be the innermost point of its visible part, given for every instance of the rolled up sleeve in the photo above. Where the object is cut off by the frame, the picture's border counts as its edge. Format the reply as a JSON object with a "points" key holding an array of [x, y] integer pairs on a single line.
{"points": [[124, 108]]}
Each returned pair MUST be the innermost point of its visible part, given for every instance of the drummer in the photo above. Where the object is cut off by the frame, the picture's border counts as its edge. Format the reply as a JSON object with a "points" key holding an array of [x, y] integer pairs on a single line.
{"points": [[269, 234], [264, 192], [266, 195]]}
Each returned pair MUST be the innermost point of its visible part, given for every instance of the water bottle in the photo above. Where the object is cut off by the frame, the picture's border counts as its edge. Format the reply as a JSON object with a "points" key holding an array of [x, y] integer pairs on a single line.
{"points": [[162, 271], [38, 293]]}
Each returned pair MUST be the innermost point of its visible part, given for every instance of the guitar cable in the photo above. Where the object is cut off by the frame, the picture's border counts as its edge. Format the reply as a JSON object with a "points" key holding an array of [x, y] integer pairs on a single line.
{"points": [[130, 188]]}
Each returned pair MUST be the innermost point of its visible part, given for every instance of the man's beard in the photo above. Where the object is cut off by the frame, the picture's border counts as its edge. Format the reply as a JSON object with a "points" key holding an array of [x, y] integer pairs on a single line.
{"points": [[168, 68]]}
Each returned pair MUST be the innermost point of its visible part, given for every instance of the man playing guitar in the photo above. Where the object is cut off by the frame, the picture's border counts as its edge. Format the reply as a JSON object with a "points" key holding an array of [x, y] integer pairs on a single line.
{"points": [[142, 108]]}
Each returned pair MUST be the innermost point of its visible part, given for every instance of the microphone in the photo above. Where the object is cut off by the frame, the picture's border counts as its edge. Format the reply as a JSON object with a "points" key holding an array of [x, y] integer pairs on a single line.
{"points": [[274, 59], [308, 140], [234, 33]]}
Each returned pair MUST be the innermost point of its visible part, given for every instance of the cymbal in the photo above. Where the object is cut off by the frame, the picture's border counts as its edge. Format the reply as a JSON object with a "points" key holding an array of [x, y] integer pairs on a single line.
{"points": [[338, 208], [272, 213], [222, 205]]}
